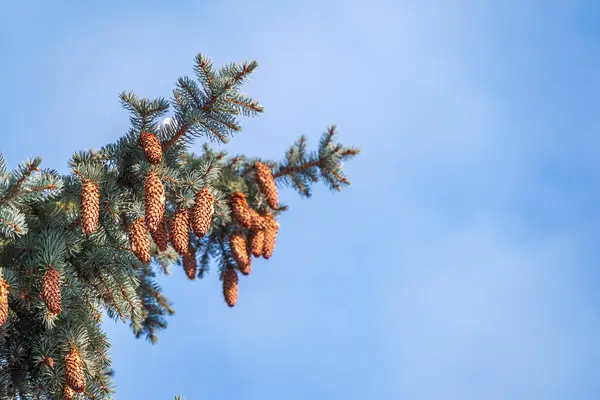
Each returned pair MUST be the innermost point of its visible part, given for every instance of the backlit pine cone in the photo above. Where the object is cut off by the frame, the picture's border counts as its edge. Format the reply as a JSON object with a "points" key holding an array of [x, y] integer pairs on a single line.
{"points": [[74, 375], [230, 287], [180, 231], [161, 235], [190, 264], [256, 242], [267, 184], [270, 236], [140, 241], [240, 209], [90, 206], [202, 213], [51, 291], [154, 201], [239, 251], [151, 147]]}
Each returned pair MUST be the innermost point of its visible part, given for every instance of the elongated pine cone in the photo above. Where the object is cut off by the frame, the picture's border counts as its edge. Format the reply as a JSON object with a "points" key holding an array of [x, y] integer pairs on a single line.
{"points": [[140, 241], [151, 147], [266, 182], [161, 235], [202, 213], [230, 287], [190, 264], [69, 393], [51, 291], [256, 241], [3, 301], [239, 251], [180, 231], [90, 206], [270, 236], [154, 201], [240, 209], [75, 377]]}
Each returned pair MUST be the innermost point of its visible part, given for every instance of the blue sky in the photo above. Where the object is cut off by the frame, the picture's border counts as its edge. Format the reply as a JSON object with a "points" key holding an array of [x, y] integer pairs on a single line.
{"points": [[463, 261]]}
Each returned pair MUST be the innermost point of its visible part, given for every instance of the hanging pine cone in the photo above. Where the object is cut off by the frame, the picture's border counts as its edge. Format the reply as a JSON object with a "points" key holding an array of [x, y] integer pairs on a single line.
{"points": [[51, 291], [259, 221], [140, 241], [266, 182], [75, 377], [202, 213], [161, 235], [90, 206], [68, 393], [240, 210], [270, 236], [239, 251], [180, 231], [151, 147], [230, 287], [255, 242], [190, 264], [154, 201], [3, 301]]}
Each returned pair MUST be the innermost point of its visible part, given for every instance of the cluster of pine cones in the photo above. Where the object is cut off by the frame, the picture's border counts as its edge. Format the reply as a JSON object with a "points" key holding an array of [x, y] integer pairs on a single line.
{"points": [[261, 227]]}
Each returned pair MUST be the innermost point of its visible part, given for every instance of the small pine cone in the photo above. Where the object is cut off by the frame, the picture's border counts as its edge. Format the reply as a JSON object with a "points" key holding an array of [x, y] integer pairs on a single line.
{"points": [[255, 242], [90, 206], [230, 287], [240, 210], [3, 301], [202, 213], [154, 201], [239, 251], [161, 235], [270, 236], [151, 147], [75, 378], [51, 291], [190, 264], [267, 184], [180, 231], [140, 241], [69, 393], [49, 361]]}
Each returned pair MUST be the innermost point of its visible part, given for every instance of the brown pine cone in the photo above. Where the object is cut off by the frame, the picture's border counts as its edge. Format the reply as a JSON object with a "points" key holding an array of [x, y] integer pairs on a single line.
{"points": [[75, 377], [239, 251], [240, 209], [270, 236], [267, 184], [154, 201], [49, 361], [140, 241], [3, 301], [190, 265], [230, 287], [256, 242], [69, 393], [151, 147], [161, 235], [180, 231], [202, 213], [90, 206], [51, 291]]}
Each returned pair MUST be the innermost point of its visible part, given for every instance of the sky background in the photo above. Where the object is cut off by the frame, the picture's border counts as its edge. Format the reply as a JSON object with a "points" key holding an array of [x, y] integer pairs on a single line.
{"points": [[463, 261]]}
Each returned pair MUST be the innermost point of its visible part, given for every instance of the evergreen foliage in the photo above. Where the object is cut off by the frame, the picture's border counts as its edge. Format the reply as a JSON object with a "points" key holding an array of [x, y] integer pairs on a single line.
{"points": [[68, 259]]}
